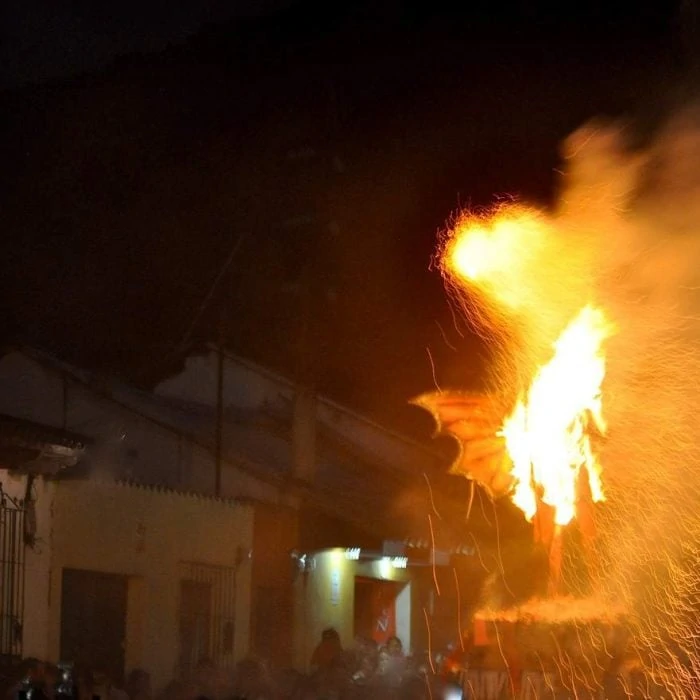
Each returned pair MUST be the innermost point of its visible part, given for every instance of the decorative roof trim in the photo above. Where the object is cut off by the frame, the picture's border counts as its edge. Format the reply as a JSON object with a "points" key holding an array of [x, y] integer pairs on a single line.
{"points": [[161, 489]]}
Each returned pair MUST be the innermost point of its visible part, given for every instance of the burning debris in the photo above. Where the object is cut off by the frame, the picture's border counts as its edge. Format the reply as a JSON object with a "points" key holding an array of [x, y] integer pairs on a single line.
{"points": [[591, 313]]}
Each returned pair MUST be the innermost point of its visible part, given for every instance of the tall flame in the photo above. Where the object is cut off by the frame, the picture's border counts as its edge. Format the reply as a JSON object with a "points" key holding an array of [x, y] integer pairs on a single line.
{"points": [[547, 434]]}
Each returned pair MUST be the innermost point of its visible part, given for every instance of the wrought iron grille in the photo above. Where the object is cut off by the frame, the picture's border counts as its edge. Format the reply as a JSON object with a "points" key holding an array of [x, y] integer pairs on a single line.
{"points": [[207, 615], [11, 577]]}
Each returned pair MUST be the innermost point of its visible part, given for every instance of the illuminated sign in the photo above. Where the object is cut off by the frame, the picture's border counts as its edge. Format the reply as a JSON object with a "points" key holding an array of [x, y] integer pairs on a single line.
{"points": [[335, 587]]}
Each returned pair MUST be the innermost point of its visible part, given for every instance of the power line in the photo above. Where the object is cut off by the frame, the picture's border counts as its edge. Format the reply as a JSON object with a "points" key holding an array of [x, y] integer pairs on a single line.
{"points": [[182, 344]]}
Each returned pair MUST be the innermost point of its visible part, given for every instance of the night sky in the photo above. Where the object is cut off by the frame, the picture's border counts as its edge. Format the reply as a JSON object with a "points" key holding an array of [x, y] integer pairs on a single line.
{"points": [[317, 148]]}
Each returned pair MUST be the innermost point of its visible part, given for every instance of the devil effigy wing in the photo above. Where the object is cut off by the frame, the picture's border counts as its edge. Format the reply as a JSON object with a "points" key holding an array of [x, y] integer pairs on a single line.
{"points": [[474, 421]]}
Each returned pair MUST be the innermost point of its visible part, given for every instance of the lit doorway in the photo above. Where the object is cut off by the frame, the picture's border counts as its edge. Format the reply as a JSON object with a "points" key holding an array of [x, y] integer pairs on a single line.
{"points": [[382, 610]]}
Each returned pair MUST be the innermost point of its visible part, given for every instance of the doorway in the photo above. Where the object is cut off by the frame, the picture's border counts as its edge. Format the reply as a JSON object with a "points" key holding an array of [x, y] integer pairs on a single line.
{"points": [[93, 620], [382, 610], [195, 623]]}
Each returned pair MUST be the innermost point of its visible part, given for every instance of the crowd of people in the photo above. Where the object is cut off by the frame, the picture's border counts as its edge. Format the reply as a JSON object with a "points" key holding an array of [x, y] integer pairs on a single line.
{"points": [[36, 680], [365, 671]]}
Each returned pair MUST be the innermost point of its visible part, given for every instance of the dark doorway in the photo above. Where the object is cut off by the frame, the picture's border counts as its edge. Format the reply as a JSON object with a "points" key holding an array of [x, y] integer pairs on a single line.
{"points": [[93, 620], [273, 623], [275, 535], [195, 623]]}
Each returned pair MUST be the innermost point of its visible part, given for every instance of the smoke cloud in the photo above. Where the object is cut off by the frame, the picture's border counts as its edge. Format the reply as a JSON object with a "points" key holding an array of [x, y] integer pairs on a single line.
{"points": [[624, 237]]}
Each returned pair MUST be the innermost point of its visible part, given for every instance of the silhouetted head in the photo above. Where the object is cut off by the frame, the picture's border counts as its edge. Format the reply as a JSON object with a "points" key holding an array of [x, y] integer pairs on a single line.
{"points": [[330, 634]]}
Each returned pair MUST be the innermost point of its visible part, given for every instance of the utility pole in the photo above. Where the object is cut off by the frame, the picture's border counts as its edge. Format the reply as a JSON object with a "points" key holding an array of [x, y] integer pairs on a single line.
{"points": [[688, 23], [306, 348], [219, 405]]}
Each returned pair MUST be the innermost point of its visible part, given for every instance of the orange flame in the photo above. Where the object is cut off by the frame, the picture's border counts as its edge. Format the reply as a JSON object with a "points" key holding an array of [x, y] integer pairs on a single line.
{"points": [[490, 254], [547, 434]]}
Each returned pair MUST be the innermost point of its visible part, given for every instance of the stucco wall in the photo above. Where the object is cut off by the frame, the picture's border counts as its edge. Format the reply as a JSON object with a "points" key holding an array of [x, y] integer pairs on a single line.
{"points": [[146, 534]]}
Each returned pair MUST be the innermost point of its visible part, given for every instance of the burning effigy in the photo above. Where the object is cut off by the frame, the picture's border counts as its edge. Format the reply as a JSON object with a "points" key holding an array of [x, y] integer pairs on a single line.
{"points": [[589, 419]]}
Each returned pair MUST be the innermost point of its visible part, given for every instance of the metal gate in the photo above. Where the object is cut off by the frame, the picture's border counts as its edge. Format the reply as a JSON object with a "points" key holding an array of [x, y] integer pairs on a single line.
{"points": [[207, 614], [11, 577]]}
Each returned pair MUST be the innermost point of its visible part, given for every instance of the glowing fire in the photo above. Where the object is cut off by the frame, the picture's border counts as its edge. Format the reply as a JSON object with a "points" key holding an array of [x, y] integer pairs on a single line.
{"points": [[547, 435], [490, 253]]}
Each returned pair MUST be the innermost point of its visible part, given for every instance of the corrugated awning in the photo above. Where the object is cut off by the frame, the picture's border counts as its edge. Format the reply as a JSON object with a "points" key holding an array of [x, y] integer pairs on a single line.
{"points": [[35, 448]]}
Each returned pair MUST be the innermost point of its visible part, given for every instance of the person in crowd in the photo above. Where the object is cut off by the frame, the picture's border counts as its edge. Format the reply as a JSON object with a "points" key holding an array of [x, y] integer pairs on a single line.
{"points": [[138, 685], [360, 661], [83, 679], [330, 682], [392, 662], [206, 678], [177, 690], [328, 651], [30, 672], [288, 681], [415, 689], [305, 690], [253, 681], [52, 676], [104, 688]]}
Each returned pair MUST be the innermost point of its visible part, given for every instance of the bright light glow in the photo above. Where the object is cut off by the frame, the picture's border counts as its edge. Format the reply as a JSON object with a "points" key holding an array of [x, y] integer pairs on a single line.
{"points": [[548, 433], [336, 557], [385, 567], [453, 693], [488, 253], [399, 562], [352, 553]]}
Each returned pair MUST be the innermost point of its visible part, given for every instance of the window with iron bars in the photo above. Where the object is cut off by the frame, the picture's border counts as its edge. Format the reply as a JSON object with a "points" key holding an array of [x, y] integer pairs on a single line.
{"points": [[11, 578], [207, 615]]}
